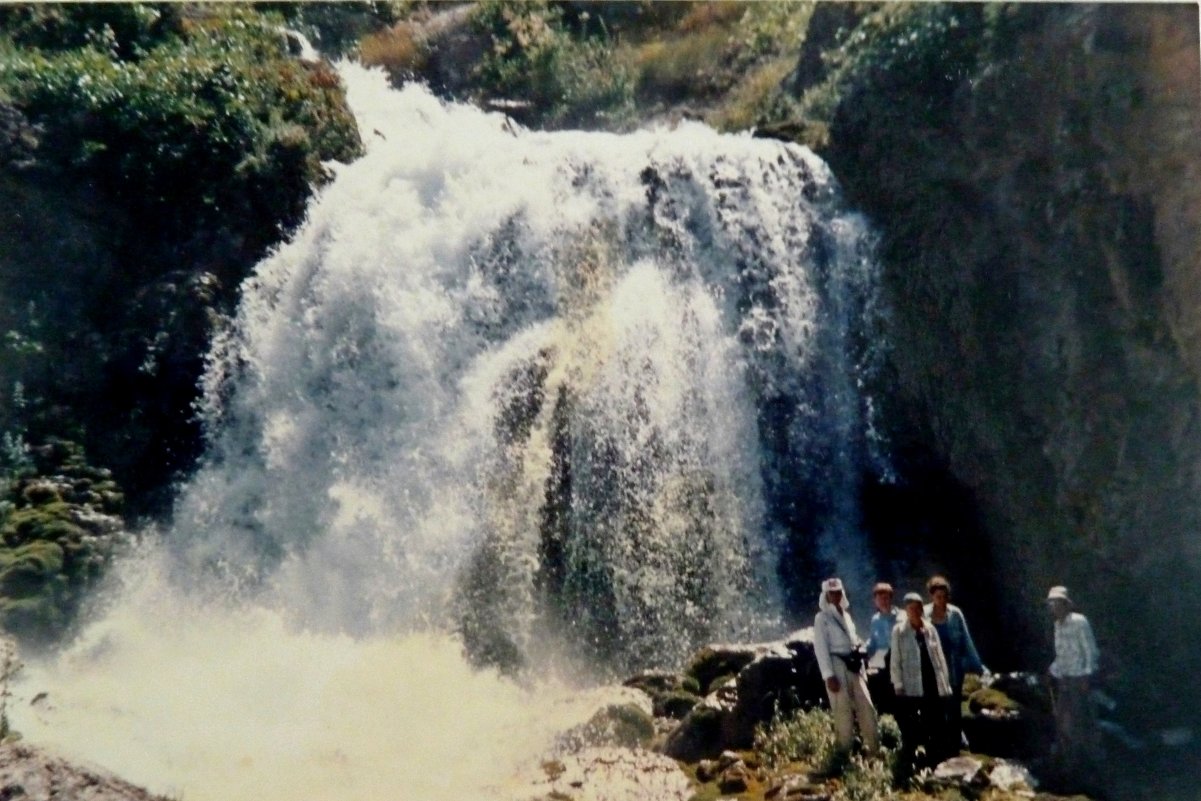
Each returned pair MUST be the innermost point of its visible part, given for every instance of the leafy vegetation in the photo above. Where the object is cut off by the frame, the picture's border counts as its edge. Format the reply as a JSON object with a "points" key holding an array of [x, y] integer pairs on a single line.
{"points": [[59, 524], [192, 113], [805, 736], [534, 56], [592, 64], [894, 49]]}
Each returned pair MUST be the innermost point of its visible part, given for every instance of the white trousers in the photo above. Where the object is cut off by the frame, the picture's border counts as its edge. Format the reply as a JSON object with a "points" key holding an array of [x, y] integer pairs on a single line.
{"points": [[850, 704]]}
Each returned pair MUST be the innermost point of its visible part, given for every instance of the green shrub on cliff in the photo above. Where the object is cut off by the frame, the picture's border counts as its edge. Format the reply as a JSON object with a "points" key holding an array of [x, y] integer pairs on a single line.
{"points": [[192, 112], [534, 58], [895, 49]]}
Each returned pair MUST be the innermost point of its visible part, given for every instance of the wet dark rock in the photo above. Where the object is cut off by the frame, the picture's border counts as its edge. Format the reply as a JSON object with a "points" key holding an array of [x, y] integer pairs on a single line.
{"points": [[735, 779], [672, 695], [770, 678], [624, 725]]}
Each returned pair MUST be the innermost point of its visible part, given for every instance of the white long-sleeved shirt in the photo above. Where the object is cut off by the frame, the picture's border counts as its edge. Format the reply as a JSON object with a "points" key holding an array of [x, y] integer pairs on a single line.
{"points": [[1076, 651], [831, 638]]}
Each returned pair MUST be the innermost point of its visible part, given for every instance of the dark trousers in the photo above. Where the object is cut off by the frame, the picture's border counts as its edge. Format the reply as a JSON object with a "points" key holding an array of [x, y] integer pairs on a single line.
{"points": [[925, 723], [955, 716], [884, 698], [1075, 725]]}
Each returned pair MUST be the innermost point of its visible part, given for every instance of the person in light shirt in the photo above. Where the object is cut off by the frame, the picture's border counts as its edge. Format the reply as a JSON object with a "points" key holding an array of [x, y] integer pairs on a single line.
{"points": [[878, 644], [1076, 660], [834, 640]]}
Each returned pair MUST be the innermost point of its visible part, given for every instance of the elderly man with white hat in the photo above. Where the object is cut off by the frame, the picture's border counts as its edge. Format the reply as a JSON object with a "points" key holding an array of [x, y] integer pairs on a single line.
{"points": [[835, 643], [1076, 660]]}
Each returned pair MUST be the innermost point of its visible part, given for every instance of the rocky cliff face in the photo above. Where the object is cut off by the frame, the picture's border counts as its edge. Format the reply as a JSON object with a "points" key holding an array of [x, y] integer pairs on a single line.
{"points": [[1034, 175]]}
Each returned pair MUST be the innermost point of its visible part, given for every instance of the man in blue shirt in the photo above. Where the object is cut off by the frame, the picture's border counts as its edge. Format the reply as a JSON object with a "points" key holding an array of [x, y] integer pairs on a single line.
{"points": [[883, 621]]}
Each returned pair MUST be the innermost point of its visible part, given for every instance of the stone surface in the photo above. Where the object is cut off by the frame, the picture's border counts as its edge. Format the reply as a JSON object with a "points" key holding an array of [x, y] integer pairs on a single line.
{"points": [[608, 774], [31, 774], [964, 771], [736, 778], [773, 676], [1010, 776]]}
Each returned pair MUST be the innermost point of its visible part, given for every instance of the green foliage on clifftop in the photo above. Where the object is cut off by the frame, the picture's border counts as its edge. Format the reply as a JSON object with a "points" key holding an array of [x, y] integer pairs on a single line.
{"points": [[533, 56], [602, 64], [192, 113]]}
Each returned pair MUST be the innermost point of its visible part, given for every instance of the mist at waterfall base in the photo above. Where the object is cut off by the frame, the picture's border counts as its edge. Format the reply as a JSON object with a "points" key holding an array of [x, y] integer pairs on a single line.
{"points": [[553, 403]]}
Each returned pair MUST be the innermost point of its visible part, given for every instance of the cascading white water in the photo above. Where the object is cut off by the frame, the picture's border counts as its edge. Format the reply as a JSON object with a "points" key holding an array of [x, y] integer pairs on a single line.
{"points": [[552, 394]]}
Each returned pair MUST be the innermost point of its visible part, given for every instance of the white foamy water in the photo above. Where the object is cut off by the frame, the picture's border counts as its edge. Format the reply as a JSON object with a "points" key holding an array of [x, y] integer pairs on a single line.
{"points": [[217, 702], [543, 398]]}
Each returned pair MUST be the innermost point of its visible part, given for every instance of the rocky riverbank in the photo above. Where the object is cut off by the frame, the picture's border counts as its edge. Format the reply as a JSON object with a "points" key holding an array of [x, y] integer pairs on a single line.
{"points": [[748, 721]]}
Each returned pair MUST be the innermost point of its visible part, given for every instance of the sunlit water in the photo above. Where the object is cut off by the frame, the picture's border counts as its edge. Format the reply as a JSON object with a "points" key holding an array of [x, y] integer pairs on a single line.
{"points": [[542, 400]]}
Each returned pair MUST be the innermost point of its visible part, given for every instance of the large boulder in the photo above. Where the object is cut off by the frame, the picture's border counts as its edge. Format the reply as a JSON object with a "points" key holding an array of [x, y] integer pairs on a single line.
{"points": [[1011, 717], [766, 678]]}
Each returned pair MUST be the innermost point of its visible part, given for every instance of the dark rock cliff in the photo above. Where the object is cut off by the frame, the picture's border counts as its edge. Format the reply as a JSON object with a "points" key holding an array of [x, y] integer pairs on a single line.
{"points": [[1033, 171]]}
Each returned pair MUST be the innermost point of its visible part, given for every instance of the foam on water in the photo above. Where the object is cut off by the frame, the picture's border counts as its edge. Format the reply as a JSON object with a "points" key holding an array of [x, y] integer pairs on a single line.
{"points": [[213, 701]]}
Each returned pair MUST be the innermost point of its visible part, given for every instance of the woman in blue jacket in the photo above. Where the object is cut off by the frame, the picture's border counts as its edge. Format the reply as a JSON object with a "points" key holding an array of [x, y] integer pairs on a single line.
{"points": [[957, 644]]}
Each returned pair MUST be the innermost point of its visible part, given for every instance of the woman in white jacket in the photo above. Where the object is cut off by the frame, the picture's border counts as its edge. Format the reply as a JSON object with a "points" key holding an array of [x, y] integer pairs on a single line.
{"points": [[922, 683]]}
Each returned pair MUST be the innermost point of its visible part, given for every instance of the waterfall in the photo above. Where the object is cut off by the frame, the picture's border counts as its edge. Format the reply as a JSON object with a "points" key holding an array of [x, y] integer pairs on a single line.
{"points": [[567, 397], [524, 383]]}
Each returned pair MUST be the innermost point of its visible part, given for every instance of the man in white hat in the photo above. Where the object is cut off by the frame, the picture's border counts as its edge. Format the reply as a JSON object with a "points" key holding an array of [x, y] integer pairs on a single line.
{"points": [[1076, 659], [834, 641]]}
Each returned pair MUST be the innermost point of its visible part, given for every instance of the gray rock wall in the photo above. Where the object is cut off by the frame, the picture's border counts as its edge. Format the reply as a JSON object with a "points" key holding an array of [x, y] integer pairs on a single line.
{"points": [[1034, 174]]}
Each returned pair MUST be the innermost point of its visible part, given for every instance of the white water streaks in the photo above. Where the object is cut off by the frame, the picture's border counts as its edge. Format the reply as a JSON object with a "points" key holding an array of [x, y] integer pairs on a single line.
{"points": [[554, 398], [525, 382]]}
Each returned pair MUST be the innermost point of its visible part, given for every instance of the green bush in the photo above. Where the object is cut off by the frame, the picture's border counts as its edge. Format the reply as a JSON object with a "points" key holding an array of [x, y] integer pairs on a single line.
{"points": [[534, 57], [805, 736], [163, 150], [194, 114], [866, 779], [928, 45]]}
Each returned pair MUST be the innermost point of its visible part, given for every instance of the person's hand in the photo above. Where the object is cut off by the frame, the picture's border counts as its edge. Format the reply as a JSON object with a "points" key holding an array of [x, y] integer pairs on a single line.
{"points": [[832, 684], [898, 693]]}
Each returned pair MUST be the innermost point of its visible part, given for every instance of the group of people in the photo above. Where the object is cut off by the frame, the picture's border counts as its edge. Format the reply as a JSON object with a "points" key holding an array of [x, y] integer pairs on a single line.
{"points": [[914, 664]]}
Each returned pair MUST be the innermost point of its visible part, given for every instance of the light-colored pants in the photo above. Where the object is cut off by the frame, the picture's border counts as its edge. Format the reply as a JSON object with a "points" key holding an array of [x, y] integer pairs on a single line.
{"points": [[849, 704]]}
